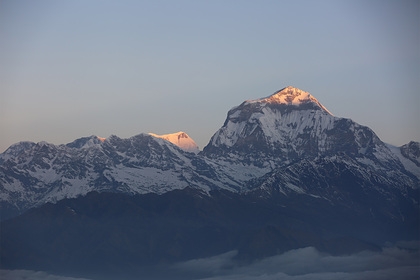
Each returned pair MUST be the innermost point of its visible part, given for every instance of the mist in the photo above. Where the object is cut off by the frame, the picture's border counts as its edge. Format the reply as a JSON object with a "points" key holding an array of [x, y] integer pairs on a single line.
{"points": [[33, 275], [401, 261], [309, 263]]}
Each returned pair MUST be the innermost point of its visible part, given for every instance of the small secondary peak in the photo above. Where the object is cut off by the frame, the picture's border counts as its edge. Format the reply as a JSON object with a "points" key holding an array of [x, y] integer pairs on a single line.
{"points": [[180, 139]]}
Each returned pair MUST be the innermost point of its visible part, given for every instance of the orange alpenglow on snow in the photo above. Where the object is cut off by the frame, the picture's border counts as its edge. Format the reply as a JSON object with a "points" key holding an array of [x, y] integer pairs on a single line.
{"points": [[180, 139]]}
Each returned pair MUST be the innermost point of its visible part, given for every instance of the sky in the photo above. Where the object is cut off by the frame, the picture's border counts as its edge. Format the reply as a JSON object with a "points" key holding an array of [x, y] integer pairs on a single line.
{"points": [[70, 69]]}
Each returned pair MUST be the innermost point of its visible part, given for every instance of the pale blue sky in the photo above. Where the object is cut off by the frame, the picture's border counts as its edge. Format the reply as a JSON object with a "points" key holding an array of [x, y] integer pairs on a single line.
{"points": [[70, 69]]}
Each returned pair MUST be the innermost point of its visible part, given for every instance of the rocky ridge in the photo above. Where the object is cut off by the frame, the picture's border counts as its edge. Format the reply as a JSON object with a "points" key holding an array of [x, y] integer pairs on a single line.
{"points": [[259, 148]]}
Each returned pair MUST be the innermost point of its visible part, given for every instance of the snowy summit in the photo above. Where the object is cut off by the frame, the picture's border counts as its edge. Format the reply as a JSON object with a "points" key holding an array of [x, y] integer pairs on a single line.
{"points": [[180, 139], [290, 96], [277, 121]]}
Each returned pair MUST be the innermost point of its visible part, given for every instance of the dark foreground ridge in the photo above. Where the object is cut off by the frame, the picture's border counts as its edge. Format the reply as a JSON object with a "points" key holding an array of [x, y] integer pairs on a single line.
{"points": [[119, 234]]}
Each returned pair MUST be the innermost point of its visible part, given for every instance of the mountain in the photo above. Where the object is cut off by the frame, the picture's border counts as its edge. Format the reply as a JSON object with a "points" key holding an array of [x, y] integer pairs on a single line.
{"points": [[181, 139], [259, 137], [32, 174], [281, 173], [291, 125]]}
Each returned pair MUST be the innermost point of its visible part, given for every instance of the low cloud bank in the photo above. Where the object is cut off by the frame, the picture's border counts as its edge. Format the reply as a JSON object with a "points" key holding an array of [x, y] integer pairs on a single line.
{"points": [[401, 261], [33, 275], [309, 263]]}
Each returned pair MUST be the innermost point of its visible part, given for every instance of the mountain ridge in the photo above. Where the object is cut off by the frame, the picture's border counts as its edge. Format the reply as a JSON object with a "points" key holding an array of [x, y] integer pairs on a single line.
{"points": [[258, 138], [280, 174]]}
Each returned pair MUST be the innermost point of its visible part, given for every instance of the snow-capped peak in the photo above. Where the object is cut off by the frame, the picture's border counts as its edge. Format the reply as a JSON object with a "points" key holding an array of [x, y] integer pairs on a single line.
{"points": [[290, 96], [86, 142], [16, 149], [180, 139]]}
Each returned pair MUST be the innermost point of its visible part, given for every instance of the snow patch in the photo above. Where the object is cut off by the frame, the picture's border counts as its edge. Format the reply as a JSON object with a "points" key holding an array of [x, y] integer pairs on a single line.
{"points": [[408, 164]]}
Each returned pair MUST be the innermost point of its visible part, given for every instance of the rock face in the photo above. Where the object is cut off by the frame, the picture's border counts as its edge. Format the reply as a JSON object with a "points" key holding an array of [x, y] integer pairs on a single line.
{"points": [[411, 151]]}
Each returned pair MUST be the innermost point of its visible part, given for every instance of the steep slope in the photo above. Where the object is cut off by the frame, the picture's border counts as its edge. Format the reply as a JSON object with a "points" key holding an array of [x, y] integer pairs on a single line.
{"points": [[409, 155], [344, 184], [288, 125], [411, 151], [292, 125]]}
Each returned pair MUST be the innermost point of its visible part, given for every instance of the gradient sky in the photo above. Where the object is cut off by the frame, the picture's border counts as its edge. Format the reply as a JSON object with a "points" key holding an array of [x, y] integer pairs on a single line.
{"points": [[70, 69]]}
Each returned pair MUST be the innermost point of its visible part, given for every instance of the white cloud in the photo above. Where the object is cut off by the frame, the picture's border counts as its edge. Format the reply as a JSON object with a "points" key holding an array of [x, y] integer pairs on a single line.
{"points": [[399, 262], [309, 263], [33, 275]]}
